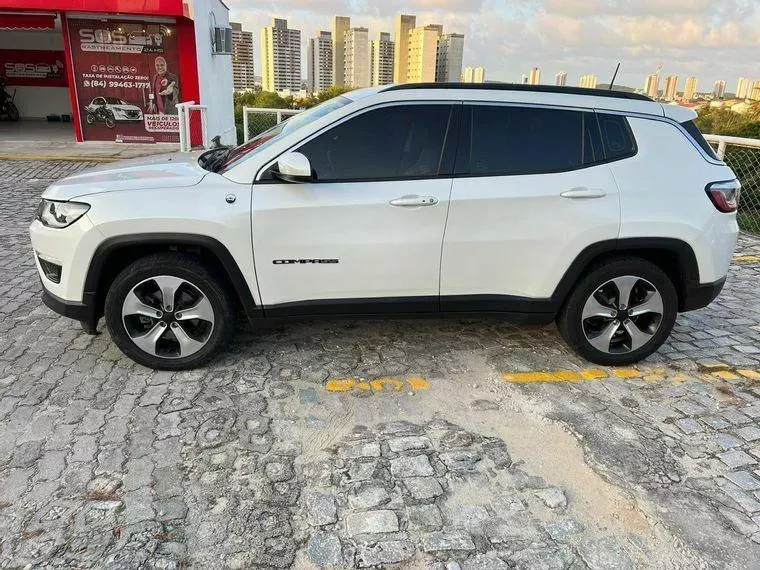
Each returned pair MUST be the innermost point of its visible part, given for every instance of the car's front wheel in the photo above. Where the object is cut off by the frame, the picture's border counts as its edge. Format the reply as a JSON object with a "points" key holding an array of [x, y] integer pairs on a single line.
{"points": [[168, 311], [619, 312]]}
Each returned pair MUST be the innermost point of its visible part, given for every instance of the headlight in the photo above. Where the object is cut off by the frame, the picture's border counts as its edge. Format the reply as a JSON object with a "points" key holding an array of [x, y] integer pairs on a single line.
{"points": [[60, 214]]}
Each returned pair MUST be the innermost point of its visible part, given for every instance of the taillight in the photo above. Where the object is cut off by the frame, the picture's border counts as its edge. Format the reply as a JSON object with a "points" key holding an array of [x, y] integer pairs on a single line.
{"points": [[724, 195]]}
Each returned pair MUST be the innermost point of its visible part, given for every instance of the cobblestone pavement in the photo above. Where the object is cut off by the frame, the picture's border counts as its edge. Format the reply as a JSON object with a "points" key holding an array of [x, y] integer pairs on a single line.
{"points": [[419, 444]]}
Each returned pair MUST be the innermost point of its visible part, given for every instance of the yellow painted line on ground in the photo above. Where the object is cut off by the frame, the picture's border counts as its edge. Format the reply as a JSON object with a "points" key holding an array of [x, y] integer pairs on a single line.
{"points": [[58, 157], [653, 378], [418, 383], [384, 384], [594, 374], [528, 377], [627, 373], [747, 258], [726, 375], [387, 385], [568, 375], [340, 385], [646, 374], [751, 374]]}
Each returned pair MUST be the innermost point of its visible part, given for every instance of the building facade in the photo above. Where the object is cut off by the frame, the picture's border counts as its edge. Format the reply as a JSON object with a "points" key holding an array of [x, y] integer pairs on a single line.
{"points": [[671, 87], [423, 54], [560, 79], [588, 81], [754, 91], [652, 86], [341, 25], [742, 89], [690, 91], [474, 75], [719, 90], [448, 67], [319, 62], [356, 58], [381, 59], [280, 57], [242, 58], [534, 78], [404, 26]]}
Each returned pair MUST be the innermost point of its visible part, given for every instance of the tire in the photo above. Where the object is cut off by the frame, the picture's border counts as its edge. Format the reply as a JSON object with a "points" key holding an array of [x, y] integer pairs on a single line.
{"points": [[644, 322], [188, 282], [90, 119], [13, 113], [110, 122]]}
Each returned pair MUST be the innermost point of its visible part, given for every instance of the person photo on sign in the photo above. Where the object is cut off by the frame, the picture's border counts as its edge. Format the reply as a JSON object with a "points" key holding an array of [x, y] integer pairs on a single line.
{"points": [[165, 87]]}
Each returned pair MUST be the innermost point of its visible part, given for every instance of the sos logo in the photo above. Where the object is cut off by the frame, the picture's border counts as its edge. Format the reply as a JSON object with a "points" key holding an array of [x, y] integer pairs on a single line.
{"points": [[119, 38], [33, 69]]}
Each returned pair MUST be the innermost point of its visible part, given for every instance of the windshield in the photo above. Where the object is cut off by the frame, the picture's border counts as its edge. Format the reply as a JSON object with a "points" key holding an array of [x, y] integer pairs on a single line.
{"points": [[114, 101], [278, 131]]}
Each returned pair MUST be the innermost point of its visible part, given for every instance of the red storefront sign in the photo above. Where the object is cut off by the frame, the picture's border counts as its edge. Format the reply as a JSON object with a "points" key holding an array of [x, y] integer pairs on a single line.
{"points": [[127, 79], [37, 68]]}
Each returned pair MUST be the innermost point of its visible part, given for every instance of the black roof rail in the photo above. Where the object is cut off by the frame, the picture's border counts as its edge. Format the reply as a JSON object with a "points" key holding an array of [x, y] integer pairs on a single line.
{"points": [[521, 87]]}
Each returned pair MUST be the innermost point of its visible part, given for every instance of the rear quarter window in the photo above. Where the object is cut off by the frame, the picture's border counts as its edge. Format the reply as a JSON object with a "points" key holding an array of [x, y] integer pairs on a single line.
{"points": [[617, 137], [697, 137]]}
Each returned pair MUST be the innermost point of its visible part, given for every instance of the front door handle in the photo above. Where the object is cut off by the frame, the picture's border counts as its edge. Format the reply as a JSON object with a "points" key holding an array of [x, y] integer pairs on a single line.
{"points": [[414, 201], [581, 193]]}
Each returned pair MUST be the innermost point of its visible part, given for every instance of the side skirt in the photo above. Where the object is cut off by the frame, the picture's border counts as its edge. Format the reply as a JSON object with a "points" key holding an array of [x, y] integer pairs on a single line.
{"points": [[519, 310]]}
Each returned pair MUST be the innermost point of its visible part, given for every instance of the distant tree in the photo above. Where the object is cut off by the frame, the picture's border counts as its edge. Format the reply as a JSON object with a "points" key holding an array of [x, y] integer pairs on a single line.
{"points": [[333, 91]]}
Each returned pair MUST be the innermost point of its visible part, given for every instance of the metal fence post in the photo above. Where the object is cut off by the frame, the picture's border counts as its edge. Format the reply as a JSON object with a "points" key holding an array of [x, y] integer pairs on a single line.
{"points": [[182, 128], [204, 126], [722, 149], [246, 136]]}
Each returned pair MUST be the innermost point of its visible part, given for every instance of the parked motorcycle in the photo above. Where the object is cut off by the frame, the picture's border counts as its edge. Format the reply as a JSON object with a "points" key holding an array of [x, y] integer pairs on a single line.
{"points": [[7, 106], [100, 114]]}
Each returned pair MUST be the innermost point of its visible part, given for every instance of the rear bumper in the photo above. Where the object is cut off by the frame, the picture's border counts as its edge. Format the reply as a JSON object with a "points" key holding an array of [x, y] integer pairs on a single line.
{"points": [[84, 312], [700, 295]]}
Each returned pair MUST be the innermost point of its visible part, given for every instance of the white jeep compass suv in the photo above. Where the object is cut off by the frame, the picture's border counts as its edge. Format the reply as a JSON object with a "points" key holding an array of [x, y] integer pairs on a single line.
{"points": [[603, 210]]}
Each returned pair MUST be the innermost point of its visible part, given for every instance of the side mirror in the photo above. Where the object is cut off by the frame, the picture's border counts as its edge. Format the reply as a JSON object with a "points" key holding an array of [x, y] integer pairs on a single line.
{"points": [[293, 167]]}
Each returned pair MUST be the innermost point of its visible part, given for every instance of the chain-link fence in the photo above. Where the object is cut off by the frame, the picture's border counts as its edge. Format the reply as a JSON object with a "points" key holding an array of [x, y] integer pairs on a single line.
{"points": [[257, 120], [743, 156]]}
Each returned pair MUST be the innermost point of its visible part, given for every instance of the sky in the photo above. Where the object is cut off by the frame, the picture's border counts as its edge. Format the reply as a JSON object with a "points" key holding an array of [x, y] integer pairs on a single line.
{"points": [[712, 39]]}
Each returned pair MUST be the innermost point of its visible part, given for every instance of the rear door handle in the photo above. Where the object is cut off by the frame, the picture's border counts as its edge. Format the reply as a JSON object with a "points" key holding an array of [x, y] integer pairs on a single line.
{"points": [[583, 193], [414, 201]]}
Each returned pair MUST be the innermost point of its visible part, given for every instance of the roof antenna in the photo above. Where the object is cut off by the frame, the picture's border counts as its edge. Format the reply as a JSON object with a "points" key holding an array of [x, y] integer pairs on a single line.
{"points": [[614, 76]]}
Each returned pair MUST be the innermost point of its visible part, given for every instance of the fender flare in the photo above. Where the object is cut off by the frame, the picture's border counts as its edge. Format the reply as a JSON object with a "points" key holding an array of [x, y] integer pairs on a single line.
{"points": [[230, 266]]}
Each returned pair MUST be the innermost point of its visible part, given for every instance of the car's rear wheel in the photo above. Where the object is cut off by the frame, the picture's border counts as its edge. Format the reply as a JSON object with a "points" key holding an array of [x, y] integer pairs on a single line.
{"points": [[168, 311], [619, 312]]}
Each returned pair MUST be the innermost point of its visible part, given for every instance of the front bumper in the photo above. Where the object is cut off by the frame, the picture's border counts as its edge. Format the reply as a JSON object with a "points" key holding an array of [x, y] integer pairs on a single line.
{"points": [[700, 295], [83, 312]]}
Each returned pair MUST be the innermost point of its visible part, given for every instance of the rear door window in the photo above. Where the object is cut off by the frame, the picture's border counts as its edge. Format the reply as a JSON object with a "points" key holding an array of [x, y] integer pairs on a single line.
{"points": [[499, 140]]}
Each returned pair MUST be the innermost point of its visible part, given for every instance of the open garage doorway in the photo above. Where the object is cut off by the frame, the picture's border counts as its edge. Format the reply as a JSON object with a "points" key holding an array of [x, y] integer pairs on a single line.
{"points": [[32, 64]]}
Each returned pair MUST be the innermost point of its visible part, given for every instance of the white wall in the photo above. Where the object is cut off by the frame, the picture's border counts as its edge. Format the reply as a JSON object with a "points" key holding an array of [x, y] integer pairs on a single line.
{"points": [[214, 71], [37, 102]]}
